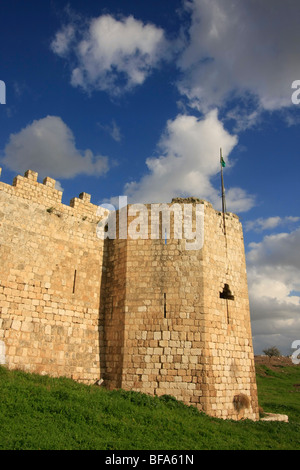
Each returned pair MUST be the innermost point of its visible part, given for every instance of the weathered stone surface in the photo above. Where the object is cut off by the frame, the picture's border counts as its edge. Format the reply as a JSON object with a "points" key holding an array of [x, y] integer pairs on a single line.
{"points": [[275, 417], [143, 314]]}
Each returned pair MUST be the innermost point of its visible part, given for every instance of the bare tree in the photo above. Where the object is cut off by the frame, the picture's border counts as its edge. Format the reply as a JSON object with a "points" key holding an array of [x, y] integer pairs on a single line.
{"points": [[272, 352]]}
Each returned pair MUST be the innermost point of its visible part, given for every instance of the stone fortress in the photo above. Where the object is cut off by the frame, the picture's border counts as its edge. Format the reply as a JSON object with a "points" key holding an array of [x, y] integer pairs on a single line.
{"points": [[140, 314]]}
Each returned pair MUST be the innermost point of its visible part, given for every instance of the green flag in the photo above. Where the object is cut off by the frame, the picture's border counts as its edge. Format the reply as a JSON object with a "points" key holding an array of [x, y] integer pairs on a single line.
{"points": [[223, 162]]}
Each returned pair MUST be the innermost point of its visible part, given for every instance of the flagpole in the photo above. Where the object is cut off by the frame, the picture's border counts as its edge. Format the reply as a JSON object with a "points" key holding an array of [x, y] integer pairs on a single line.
{"points": [[222, 163]]}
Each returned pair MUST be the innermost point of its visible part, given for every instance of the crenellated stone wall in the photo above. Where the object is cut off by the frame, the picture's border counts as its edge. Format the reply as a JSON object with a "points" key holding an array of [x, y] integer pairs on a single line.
{"points": [[142, 313], [50, 280]]}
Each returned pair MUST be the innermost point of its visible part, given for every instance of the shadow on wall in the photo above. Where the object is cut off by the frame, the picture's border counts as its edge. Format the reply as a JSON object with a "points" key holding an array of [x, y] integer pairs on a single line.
{"points": [[111, 314]]}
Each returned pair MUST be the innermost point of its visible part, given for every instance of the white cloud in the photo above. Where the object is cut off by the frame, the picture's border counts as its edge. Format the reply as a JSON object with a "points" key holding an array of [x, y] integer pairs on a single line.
{"points": [[279, 249], [112, 55], [261, 224], [188, 161], [273, 267], [48, 146], [115, 132], [238, 200], [112, 129], [241, 48], [63, 40]]}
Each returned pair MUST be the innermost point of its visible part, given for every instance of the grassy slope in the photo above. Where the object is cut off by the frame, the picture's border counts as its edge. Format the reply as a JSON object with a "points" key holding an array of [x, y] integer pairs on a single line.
{"points": [[45, 413]]}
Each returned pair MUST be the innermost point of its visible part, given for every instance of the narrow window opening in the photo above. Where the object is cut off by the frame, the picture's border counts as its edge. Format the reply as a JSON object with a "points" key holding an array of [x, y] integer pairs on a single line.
{"points": [[226, 293], [165, 305], [74, 281]]}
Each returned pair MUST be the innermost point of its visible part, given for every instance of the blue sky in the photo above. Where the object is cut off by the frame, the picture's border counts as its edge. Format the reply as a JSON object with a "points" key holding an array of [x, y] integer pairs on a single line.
{"points": [[117, 97]]}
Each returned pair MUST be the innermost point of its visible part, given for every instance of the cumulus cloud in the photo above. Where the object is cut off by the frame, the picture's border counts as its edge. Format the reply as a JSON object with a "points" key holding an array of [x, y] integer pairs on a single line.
{"points": [[240, 49], [48, 146], [188, 161], [273, 267], [112, 55], [246, 51], [262, 224]]}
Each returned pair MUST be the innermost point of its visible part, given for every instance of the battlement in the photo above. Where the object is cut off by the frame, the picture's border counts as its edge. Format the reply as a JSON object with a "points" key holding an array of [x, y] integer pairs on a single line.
{"points": [[28, 188], [45, 193]]}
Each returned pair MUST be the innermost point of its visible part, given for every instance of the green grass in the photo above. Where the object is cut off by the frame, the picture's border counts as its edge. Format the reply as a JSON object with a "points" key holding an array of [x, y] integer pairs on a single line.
{"points": [[58, 414], [279, 390]]}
